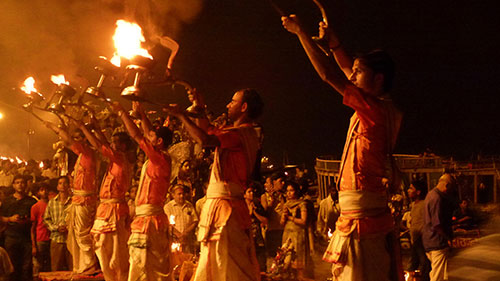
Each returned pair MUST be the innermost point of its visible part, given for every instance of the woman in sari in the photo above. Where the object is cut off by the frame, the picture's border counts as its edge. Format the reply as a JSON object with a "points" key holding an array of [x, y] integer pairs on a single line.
{"points": [[294, 218]]}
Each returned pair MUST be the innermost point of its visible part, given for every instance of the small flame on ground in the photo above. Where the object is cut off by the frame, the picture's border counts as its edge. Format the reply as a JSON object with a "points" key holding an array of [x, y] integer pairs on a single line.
{"points": [[176, 247], [59, 79], [29, 86], [128, 38], [41, 165], [407, 276], [19, 161], [330, 233], [171, 219]]}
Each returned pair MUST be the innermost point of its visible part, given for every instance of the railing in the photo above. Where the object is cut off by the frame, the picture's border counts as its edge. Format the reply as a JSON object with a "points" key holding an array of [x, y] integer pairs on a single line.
{"points": [[327, 164], [327, 169]]}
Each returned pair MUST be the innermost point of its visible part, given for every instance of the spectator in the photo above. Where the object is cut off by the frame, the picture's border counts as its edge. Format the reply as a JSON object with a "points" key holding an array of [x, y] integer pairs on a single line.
{"points": [[328, 213], [294, 218], [185, 217], [257, 215], [274, 208], [184, 178], [54, 219], [437, 231], [15, 211], [40, 234], [418, 259], [463, 218]]}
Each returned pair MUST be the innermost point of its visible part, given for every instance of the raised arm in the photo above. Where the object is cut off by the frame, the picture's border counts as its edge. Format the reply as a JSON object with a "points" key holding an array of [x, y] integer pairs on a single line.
{"points": [[145, 122], [344, 61], [197, 133], [132, 129], [94, 141], [60, 132], [322, 63]]}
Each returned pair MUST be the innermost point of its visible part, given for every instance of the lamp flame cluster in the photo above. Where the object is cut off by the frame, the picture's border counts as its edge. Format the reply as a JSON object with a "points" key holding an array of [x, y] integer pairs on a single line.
{"points": [[129, 59]]}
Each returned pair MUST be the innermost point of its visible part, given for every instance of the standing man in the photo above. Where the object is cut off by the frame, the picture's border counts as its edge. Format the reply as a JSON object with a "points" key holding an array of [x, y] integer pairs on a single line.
{"points": [[149, 246], [437, 231], [359, 246], [185, 217], [418, 260], [40, 234], [15, 211], [81, 213], [110, 230], [328, 213], [227, 251], [55, 220]]}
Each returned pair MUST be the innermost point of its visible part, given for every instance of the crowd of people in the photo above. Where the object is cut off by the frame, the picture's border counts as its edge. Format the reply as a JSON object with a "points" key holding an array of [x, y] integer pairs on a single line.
{"points": [[56, 218]]}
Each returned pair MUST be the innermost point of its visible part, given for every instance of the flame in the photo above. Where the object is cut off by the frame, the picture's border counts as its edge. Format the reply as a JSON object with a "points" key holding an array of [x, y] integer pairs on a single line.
{"points": [[41, 165], [116, 60], [171, 219], [19, 161], [29, 86], [59, 79], [128, 38], [407, 276], [176, 247], [4, 158], [330, 233]]}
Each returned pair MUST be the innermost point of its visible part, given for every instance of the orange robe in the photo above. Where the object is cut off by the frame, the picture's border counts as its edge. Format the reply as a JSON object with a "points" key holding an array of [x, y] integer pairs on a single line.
{"points": [[365, 215], [149, 245], [110, 228], [227, 250]]}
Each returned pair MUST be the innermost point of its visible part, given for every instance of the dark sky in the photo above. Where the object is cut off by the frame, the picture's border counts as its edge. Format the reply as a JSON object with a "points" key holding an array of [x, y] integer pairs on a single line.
{"points": [[447, 71], [446, 56]]}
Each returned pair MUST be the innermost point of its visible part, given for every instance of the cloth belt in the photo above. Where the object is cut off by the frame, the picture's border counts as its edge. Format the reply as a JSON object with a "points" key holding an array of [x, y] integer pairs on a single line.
{"points": [[224, 190], [148, 210], [113, 200], [83, 193], [362, 203]]}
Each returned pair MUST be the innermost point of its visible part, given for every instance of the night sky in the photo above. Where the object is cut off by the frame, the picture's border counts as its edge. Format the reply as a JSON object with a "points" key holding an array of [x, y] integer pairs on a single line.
{"points": [[446, 54]]}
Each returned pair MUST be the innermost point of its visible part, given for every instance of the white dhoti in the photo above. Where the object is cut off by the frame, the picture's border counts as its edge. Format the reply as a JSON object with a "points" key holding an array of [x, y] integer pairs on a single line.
{"points": [[149, 252], [359, 258], [227, 250], [111, 248], [80, 244]]}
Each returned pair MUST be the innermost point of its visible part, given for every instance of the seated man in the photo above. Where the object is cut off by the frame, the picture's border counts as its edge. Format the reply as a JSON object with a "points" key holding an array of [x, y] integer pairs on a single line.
{"points": [[463, 218]]}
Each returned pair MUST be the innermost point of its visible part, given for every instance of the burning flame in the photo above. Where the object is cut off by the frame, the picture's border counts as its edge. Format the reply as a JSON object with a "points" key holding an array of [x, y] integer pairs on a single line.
{"points": [[407, 276], [29, 86], [171, 219], [59, 79], [128, 38], [330, 233], [19, 161], [41, 165], [176, 247], [116, 60]]}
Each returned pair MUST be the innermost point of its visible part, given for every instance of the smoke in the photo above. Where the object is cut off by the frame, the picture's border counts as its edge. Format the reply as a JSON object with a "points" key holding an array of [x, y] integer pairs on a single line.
{"points": [[40, 38]]}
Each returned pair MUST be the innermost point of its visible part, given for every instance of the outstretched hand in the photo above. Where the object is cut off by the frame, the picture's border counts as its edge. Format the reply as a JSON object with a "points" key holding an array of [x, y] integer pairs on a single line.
{"points": [[292, 24], [327, 33]]}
